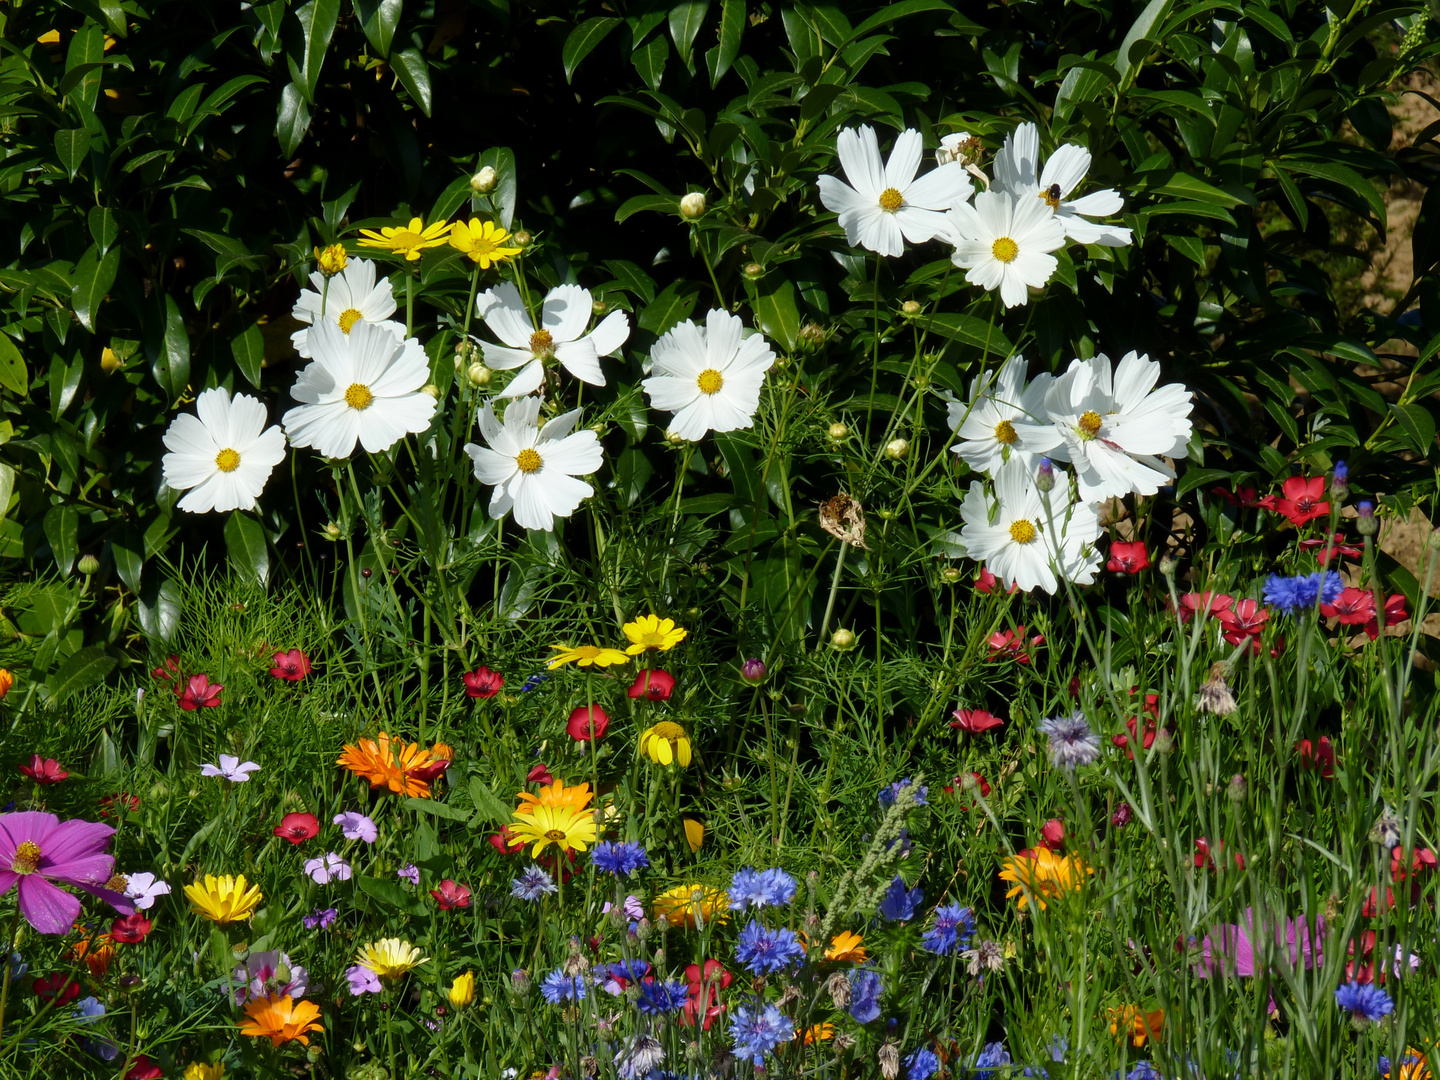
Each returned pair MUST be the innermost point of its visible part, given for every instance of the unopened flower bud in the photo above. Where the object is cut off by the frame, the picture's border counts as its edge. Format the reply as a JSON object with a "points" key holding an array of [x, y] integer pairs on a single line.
{"points": [[753, 671], [1340, 481], [692, 1052], [842, 640], [1164, 741], [896, 449], [332, 531], [812, 337], [1045, 479], [1168, 565], [693, 205], [520, 982], [1235, 791], [752, 270], [911, 308], [331, 259], [598, 307], [129, 982], [478, 374], [522, 239], [1367, 524], [109, 362], [950, 575], [484, 181], [644, 929], [838, 431], [88, 565], [673, 438], [431, 389]]}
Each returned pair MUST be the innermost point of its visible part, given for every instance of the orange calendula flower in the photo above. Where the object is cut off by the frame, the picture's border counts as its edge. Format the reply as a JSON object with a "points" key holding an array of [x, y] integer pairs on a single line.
{"points": [[281, 1020], [97, 954], [846, 946], [556, 796], [390, 763], [1139, 1025], [690, 905], [818, 1033], [1043, 876]]}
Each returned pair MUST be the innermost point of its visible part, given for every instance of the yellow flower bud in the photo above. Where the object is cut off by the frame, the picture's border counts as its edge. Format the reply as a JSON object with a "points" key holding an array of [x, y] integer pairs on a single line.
{"points": [[332, 259], [462, 990]]}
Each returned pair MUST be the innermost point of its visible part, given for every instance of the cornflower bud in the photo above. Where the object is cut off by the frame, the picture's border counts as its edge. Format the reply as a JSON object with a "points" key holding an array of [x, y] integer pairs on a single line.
{"points": [[1367, 524], [1045, 479], [1340, 481], [484, 181], [692, 205], [1236, 790], [520, 982], [1167, 565]]}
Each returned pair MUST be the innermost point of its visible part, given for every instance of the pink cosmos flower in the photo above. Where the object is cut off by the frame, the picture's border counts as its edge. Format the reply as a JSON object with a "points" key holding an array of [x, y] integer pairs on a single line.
{"points": [[38, 849], [1230, 948], [199, 692]]}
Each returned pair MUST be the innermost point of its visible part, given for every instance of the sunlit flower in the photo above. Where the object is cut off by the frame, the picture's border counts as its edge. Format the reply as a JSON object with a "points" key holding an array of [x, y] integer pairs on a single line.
{"points": [[653, 632], [98, 952], [389, 763], [281, 1020], [223, 455], [482, 242], [355, 826], [225, 899], [199, 692], [1016, 166], [588, 723], [410, 240], [462, 990], [145, 889], [1072, 742], [353, 296], [690, 905], [1004, 419], [709, 377], [556, 796], [482, 682], [975, 721], [1139, 1026], [665, 742], [230, 768], [1043, 876], [451, 894], [585, 656], [39, 852], [130, 929], [1302, 500], [564, 314], [1005, 243], [199, 1070], [568, 829], [298, 827], [44, 771], [652, 685], [1128, 558], [847, 947], [533, 884], [534, 470], [327, 868], [390, 958], [291, 665]]}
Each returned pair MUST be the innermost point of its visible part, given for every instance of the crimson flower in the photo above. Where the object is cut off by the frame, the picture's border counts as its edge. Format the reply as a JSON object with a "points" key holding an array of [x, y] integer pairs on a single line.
{"points": [[1353, 607], [428, 774], [981, 785], [1202, 855], [588, 723], [1242, 496], [703, 989], [199, 692], [292, 666], [1329, 549], [169, 670], [1371, 907], [144, 1069], [988, 583], [505, 842], [130, 929], [1421, 859], [1207, 603], [1394, 613], [974, 721], [654, 685], [1122, 816], [44, 771], [123, 800], [482, 682], [58, 988], [1128, 558], [1243, 619], [1317, 758], [1302, 499], [451, 894], [1147, 739], [1011, 645], [1052, 834], [539, 774], [297, 828], [1152, 702]]}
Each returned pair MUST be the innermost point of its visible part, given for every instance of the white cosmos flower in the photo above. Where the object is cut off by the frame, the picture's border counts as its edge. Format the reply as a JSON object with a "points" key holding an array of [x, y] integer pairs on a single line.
{"points": [[224, 454], [709, 376], [354, 296], [533, 468], [362, 385], [1013, 534], [1016, 167], [1116, 426], [563, 317], [1005, 419], [1005, 243], [883, 201]]}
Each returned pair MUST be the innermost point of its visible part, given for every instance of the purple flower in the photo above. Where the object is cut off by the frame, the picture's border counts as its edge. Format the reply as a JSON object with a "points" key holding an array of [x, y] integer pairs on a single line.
{"points": [[764, 951], [269, 973], [899, 903], [1364, 1001], [85, 1010], [37, 849], [533, 885], [230, 768], [889, 792], [327, 868], [618, 858], [144, 888], [1230, 948], [322, 919], [410, 872], [953, 929], [658, 997], [757, 1029], [557, 987], [355, 826], [1072, 742], [921, 1064], [865, 988], [362, 980], [1301, 593]]}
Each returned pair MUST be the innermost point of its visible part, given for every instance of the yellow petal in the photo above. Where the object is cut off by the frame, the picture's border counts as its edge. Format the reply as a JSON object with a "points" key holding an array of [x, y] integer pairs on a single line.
{"points": [[663, 753], [694, 833], [684, 751]]}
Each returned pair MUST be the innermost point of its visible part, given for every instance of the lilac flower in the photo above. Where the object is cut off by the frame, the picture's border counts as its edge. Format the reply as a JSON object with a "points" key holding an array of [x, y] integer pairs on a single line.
{"points": [[632, 907], [409, 872], [230, 768], [763, 888], [1364, 1002], [658, 998], [1072, 742], [322, 918], [889, 792], [557, 987], [362, 980], [144, 888], [38, 849], [355, 826], [269, 973], [921, 1064], [532, 885], [757, 1029], [953, 929], [865, 988], [1295, 594], [899, 904], [620, 859], [764, 951], [327, 868]]}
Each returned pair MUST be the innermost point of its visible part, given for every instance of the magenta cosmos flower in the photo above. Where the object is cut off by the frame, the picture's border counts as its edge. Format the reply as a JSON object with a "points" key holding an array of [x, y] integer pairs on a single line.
{"points": [[38, 849]]}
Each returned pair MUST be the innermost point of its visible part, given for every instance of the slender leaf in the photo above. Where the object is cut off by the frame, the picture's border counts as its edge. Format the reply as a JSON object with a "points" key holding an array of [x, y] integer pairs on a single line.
{"points": [[686, 19], [127, 549], [246, 545], [776, 310], [61, 526], [378, 18], [317, 23], [13, 376], [582, 41], [94, 275], [732, 26], [87, 667], [71, 146], [414, 74], [293, 119]]}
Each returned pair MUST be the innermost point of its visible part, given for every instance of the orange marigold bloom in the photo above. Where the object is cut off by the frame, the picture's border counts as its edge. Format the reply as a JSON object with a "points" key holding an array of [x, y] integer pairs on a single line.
{"points": [[390, 763], [97, 954], [556, 795], [442, 752], [846, 946], [1130, 1020], [281, 1020], [818, 1033]]}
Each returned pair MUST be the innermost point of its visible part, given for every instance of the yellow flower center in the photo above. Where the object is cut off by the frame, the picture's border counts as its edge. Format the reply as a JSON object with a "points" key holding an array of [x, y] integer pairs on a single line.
{"points": [[1005, 433], [528, 460], [1089, 425], [348, 318], [1005, 249], [891, 200], [358, 396], [27, 857], [405, 240], [557, 835], [118, 883], [668, 731], [1022, 532], [542, 343], [710, 381], [227, 460]]}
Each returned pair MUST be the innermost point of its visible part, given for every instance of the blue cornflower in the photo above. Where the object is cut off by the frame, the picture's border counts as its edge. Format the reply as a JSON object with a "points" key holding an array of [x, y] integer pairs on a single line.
{"points": [[533, 681], [764, 951], [865, 988], [618, 858], [1296, 594], [1364, 1002], [661, 997], [953, 929], [899, 904], [1143, 1071], [763, 888], [557, 987], [90, 1008], [888, 793], [533, 884], [992, 1057], [614, 978], [921, 1064], [1072, 742], [757, 1029]]}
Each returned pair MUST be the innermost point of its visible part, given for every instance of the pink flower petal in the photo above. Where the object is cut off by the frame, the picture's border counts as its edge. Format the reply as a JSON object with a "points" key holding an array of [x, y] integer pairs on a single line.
{"points": [[73, 842], [46, 908]]}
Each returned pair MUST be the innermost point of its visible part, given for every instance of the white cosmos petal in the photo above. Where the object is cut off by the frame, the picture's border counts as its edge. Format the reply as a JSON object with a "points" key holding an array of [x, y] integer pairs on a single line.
{"points": [[526, 382], [838, 196], [940, 188], [918, 225], [859, 153], [670, 393], [1017, 163], [1097, 203], [681, 357], [550, 490], [504, 312], [578, 358], [613, 331], [196, 444], [1067, 166], [904, 160], [565, 312]]}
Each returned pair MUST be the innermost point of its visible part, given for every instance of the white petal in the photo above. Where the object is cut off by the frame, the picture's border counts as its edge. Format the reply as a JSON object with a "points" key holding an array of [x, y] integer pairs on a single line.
{"points": [[940, 188], [578, 358], [565, 312], [904, 160], [613, 331], [1017, 163], [859, 153], [1067, 166], [526, 382], [504, 312]]}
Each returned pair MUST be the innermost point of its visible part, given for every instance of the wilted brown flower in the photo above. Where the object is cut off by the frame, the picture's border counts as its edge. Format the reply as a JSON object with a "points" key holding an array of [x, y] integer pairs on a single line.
{"points": [[1215, 696], [844, 518]]}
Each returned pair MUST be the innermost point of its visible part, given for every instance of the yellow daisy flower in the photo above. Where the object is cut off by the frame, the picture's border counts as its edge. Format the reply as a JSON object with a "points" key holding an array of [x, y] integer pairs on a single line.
{"points": [[224, 899], [482, 241], [1045, 876], [653, 632], [585, 656], [462, 990], [689, 905], [409, 241], [389, 958], [555, 795], [568, 829], [665, 742], [199, 1070], [846, 946]]}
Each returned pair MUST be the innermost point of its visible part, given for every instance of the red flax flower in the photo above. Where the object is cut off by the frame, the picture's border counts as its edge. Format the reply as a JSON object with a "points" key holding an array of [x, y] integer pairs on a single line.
{"points": [[144, 1069], [588, 723], [1128, 558], [482, 682], [1335, 546], [1052, 834], [976, 782], [130, 929], [539, 774], [505, 844], [1206, 603], [988, 583], [975, 721], [441, 755], [1394, 613], [168, 671], [199, 693], [652, 685], [451, 894], [1371, 907], [1011, 645], [1317, 758], [44, 771], [1353, 607], [1147, 740], [1242, 496], [703, 993], [297, 828], [292, 666], [1202, 855], [1421, 860], [1152, 702], [1241, 620], [124, 801], [60, 988], [1302, 500]]}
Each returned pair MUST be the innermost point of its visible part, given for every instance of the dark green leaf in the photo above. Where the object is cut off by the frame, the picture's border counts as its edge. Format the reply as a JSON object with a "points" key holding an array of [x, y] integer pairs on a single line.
{"points": [[1139, 29], [391, 893], [664, 204], [246, 545], [85, 668], [1345, 177], [487, 803], [249, 352], [888, 13], [674, 303], [1418, 425], [414, 74], [686, 18], [649, 60], [732, 26], [94, 275], [82, 67], [1195, 478], [1425, 241], [439, 809], [582, 40], [776, 311], [507, 185], [127, 549], [970, 329], [378, 18], [62, 530], [170, 358], [160, 609], [317, 23], [292, 119], [13, 376], [71, 146], [104, 227]]}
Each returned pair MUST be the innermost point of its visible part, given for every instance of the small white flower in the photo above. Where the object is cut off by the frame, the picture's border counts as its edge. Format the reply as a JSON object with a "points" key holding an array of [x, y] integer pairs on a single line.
{"points": [[1116, 426], [1015, 173], [362, 385], [884, 205], [327, 868], [223, 454], [1005, 243], [144, 889], [564, 315], [230, 768], [955, 147], [1012, 534], [710, 376], [533, 468], [1004, 419], [354, 296]]}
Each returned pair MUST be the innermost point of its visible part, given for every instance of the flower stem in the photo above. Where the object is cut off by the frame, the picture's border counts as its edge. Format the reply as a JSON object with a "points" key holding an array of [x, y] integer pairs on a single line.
{"points": [[5, 978]]}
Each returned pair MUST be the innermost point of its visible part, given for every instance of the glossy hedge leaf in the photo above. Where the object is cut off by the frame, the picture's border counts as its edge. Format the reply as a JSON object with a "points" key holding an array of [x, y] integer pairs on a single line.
{"points": [[292, 119], [674, 304], [85, 668], [664, 204], [686, 18], [582, 40], [649, 60], [71, 146], [1139, 30], [94, 275], [104, 227], [414, 74], [249, 352], [317, 23], [82, 67], [62, 530], [1346, 177], [378, 18], [732, 26], [246, 545], [970, 329], [1417, 424], [507, 186], [776, 311], [170, 353], [890, 12], [13, 376], [127, 549], [1425, 241], [160, 608]]}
